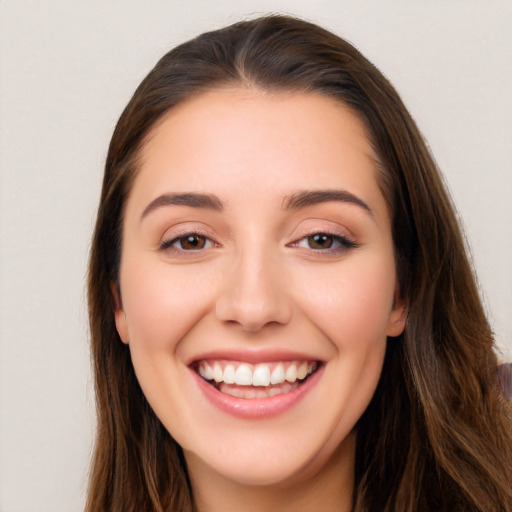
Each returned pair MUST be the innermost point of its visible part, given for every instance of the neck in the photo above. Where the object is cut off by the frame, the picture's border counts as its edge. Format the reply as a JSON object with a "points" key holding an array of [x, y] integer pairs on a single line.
{"points": [[330, 489]]}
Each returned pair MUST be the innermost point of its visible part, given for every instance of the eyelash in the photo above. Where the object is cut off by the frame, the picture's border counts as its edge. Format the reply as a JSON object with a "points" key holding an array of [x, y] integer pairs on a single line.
{"points": [[341, 243], [169, 244]]}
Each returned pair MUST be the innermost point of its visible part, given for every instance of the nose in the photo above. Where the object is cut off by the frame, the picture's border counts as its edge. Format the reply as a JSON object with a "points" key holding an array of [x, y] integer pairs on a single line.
{"points": [[254, 294]]}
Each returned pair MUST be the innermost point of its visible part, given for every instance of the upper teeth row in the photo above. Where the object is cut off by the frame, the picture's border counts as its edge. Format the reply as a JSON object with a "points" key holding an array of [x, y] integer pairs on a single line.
{"points": [[256, 375]]}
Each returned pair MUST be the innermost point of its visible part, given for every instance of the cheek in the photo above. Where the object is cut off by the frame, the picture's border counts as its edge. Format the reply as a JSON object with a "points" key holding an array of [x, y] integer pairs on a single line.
{"points": [[351, 303], [162, 303]]}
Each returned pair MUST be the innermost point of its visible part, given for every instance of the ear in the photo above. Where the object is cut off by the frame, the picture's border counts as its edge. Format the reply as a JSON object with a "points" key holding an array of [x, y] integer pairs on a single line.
{"points": [[397, 317], [119, 316]]}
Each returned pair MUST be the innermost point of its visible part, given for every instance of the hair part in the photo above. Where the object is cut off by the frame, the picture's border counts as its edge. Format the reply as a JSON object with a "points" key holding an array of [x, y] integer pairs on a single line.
{"points": [[436, 435]]}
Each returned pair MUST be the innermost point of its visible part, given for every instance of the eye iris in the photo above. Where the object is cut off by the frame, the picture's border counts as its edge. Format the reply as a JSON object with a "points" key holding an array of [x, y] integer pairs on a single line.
{"points": [[193, 242], [320, 241]]}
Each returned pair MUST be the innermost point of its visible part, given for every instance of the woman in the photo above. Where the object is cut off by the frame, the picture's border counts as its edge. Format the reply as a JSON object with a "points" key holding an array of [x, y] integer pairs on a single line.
{"points": [[275, 294]]}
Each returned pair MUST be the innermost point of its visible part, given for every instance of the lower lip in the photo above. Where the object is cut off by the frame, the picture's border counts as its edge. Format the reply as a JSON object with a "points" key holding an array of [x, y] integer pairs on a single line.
{"points": [[257, 408]]}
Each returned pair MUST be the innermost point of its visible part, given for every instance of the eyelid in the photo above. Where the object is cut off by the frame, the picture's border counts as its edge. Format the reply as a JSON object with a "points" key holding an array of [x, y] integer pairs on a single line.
{"points": [[167, 242], [343, 238], [309, 225], [345, 241]]}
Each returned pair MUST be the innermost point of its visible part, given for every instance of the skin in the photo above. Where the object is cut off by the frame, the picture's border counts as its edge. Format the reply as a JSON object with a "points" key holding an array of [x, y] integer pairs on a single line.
{"points": [[260, 286]]}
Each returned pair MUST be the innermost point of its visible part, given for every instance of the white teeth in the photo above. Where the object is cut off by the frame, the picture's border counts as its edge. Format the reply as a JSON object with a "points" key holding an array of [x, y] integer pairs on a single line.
{"points": [[243, 375], [291, 373], [208, 372], [278, 376], [217, 372], [249, 392], [246, 374], [274, 392], [302, 371], [261, 376], [229, 374], [261, 393]]}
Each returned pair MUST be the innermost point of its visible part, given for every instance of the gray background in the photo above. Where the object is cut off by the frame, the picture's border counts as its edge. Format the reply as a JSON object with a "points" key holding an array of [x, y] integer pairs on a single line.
{"points": [[67, 68]]}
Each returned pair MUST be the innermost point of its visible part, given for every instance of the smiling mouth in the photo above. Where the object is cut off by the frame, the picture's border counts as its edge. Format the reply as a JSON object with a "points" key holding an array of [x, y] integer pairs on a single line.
{"points": [[262, 380]]}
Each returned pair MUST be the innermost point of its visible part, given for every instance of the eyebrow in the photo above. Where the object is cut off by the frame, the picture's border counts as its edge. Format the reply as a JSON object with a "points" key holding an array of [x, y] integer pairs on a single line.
{"points": [[295, 201], [302, 199], [192, 199]]}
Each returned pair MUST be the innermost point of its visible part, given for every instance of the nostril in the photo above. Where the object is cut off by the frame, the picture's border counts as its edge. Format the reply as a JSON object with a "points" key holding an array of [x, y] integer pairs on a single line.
{"points": [[251, 316]]}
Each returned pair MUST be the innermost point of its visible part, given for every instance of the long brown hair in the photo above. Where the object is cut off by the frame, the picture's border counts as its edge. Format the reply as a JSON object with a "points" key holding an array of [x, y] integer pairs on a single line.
{"points": [[436, 435]]}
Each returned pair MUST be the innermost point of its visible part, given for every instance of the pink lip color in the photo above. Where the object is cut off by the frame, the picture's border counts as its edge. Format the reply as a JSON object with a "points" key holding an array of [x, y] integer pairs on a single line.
{"points": [[255, 357], [256, 408]]}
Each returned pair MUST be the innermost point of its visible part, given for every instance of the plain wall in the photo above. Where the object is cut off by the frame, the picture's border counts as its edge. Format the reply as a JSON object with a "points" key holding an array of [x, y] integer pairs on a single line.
{"points": [[67, 68]]}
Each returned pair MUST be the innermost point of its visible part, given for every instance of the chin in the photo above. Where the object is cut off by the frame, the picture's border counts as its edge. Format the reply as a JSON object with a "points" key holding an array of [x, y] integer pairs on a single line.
{"points": [[280, 464], [261, 473]]}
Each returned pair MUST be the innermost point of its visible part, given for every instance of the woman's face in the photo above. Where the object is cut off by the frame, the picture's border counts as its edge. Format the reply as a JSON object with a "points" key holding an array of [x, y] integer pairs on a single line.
{"points": [[258, 282]]}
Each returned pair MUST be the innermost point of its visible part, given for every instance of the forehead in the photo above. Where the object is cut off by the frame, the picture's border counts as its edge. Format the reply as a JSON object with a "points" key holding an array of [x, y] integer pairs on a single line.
{"points": [[258, 141]]}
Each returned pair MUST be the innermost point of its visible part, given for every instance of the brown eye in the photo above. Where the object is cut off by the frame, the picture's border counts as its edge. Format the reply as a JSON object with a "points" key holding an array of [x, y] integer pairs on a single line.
{"points": [[192, 242], [187, 242], [326, 242], [320, 241]]}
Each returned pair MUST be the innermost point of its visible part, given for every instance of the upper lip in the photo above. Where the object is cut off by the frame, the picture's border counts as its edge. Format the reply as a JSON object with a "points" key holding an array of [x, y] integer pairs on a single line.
{"points": [[254, 356]]}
